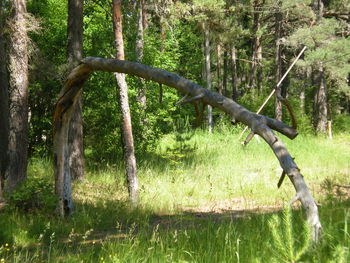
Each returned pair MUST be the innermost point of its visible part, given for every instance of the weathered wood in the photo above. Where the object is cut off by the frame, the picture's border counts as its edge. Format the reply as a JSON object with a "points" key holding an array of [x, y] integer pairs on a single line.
{"points": [[259, 124], [62, 116]]}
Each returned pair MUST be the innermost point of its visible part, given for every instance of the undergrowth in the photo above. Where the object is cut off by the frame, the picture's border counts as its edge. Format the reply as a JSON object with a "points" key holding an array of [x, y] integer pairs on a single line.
{"points": [[203, 198]]}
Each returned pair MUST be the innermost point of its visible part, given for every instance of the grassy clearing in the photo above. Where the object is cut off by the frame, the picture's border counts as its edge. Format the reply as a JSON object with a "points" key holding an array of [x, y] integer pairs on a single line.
{"points": [[204, 198]]}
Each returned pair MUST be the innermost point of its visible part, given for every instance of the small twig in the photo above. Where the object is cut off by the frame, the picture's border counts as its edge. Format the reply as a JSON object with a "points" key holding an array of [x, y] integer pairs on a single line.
{"points": [[192, 99], [249, 138]]}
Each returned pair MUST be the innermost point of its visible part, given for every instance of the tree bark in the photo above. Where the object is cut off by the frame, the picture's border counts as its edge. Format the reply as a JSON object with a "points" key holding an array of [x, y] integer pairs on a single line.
{"points": [[4, 105], [234, 73], [321, 104], [224, 73], [128, 141], [75, 54], [218, 68], [278, 63], [208, 75], [141, 93], [259, 124], [255, 79], [16, 170]]}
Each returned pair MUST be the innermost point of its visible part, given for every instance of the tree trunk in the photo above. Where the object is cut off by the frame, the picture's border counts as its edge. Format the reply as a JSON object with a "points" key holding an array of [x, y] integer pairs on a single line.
{"points": [[321, 106], [278, 63], [208, 74], [16, 171], [218, 68], [259, 124], [255, 79], [302, 100], [224, 73], [141, 93], [162, 50], [4, 105], [234, 73], [75, 54], [128, 141]]}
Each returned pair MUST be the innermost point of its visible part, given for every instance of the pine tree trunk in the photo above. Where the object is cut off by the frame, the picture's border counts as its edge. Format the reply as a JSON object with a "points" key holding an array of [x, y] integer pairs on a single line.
{"points": [[302, 100], [278, 63], [141, 93], [16, 171], [234, 73], [255, 78], [218, 68], [75, 54], [208, 74], [322, 112], [4, 106], [128, 141], [259, 75], [224, 74], [162, 50]]}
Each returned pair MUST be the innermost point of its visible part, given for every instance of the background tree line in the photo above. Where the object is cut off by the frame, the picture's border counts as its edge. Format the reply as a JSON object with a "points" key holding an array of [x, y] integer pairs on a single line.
{"points": [[237, 48]]}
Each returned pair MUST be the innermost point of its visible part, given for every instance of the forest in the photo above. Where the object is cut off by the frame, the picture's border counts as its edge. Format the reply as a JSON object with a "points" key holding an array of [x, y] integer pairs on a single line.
{"points": [[174, 131]]}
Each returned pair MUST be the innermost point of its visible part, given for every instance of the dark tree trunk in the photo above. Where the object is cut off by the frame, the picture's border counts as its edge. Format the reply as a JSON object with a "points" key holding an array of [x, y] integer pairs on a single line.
{"points": [[278, 63], [321, 104], [234, 73], [4, 105], [255, 78], [75, 54], [218, 68], [224, 73], [259, 124], [208, 74], [128, 141], [16, 171]]}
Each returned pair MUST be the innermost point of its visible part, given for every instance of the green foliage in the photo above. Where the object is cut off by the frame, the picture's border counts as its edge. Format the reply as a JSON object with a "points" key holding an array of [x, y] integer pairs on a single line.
{"points": [[34, 194], [341, 123], [285, 238]]}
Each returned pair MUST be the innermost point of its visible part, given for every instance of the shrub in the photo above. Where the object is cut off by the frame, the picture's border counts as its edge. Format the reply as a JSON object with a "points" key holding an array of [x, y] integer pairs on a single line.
{"points": [[35, 193], [341, 123]]}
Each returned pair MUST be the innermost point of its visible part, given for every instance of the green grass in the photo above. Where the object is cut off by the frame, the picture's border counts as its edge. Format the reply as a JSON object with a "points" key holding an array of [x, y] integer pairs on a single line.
{"points": [[203, 198]]}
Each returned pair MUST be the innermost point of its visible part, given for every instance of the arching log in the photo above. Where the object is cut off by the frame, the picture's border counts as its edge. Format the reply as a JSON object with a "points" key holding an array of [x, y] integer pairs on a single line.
{"points": [[259, 124]]}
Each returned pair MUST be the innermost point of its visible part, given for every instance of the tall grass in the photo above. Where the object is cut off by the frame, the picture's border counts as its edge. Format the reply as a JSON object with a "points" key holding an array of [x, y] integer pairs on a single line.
{"points": [[204, 198]]}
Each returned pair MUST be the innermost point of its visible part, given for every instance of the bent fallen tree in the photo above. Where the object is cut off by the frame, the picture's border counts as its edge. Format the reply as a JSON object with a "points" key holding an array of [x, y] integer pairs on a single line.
{"points": [[259, 124]]}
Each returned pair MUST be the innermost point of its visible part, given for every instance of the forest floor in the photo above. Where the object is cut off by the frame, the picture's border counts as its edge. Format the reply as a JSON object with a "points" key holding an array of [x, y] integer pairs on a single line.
{"points": [[203, 198]]}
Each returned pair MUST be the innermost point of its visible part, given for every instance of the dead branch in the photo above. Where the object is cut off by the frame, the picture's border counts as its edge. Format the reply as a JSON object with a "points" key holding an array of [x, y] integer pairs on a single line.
{"points": [[258, 124]]}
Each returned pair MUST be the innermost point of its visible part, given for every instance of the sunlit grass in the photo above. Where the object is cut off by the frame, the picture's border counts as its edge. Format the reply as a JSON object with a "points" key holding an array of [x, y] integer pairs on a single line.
{"points": [[203, 198]]}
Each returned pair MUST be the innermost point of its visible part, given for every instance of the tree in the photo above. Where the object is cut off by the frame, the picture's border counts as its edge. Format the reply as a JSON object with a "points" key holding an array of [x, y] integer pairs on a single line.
{"points": [[256, 69], [259, 124], [16, 170], [208, 72], [327, 58], [141, 23], [75, 53], [4, 106], [128, 141]]}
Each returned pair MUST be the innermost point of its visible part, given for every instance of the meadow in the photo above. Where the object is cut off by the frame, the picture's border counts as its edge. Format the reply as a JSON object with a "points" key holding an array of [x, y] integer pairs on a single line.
{"points": [[203, 198]]}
